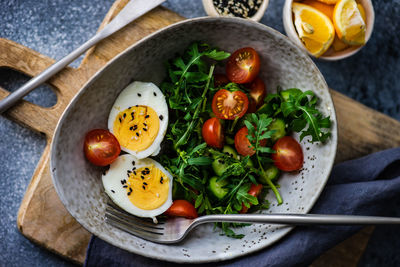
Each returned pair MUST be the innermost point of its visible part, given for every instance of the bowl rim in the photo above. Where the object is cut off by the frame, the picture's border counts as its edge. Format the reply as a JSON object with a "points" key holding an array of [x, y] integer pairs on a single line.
{"points": [[284, 231], [290, 30]]}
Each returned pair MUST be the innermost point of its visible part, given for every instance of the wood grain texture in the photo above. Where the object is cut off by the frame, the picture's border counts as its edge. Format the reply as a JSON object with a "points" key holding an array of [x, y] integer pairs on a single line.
{"points": [[42, 217]]}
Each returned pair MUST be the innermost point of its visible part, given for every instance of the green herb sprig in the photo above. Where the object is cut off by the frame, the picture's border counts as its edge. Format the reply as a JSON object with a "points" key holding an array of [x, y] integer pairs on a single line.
{"points": [[299, 109]]}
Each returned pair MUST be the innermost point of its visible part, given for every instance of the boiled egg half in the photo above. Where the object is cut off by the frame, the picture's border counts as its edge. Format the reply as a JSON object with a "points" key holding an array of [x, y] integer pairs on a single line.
{"points": [[139, 119], [141, 187]]}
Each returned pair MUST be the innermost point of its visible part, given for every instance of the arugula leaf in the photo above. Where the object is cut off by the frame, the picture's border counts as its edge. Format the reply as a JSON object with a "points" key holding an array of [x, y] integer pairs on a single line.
{"points": [[299, 110]]}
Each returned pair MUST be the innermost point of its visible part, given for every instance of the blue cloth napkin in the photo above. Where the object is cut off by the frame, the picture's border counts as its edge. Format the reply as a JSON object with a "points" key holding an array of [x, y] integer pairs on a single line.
{"points": [[365, 186]]}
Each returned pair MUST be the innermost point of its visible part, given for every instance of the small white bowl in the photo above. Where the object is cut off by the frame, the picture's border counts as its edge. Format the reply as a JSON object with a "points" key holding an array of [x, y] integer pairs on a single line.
{"points": [[330, 55], [212, 11]]}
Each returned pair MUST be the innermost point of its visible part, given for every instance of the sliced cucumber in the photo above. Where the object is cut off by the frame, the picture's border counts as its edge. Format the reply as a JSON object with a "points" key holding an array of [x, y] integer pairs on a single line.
{"points": [[270, 173], [230, 151], [219, 166], [279, 126], [217, 188]]}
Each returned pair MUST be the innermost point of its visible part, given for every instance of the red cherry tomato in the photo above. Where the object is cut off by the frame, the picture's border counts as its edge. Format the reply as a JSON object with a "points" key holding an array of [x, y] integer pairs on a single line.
{"points": [[242, 144], [229, 105], [101, 147], [289, 155], [212, 133], [243, 65], [254, 190], [182, 208], [257, 94], [220, 80]]}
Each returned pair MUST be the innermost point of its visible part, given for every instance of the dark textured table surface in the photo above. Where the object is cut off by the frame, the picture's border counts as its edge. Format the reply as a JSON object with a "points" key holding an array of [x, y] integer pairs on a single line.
{"points": [[55, 27]]}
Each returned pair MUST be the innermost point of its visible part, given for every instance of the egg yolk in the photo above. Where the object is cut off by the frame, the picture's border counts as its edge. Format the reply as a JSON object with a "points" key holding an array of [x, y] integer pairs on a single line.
{"points": [[147, 187], [136, 127]]}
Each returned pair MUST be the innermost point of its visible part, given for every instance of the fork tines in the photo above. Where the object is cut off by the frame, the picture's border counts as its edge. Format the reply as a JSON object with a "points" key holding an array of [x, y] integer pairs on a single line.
{"points": [[134, 225]]}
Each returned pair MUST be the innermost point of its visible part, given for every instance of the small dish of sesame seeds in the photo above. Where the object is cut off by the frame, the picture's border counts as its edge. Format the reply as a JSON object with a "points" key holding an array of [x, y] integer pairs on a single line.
{"points": [[249, 9]]}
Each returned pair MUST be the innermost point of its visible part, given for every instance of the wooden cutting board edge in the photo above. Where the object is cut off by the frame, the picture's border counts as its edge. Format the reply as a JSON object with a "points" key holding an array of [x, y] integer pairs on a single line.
{"points": [[375, 137]]}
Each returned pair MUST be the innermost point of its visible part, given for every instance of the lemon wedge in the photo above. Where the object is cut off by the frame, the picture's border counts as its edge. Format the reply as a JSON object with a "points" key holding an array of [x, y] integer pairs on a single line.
{"points": [[329, 2], [349, 22], [314, 28]]}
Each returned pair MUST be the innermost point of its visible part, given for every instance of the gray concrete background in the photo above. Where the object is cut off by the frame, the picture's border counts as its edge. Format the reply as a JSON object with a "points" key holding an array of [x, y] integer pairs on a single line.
{"points": [[56, 27]]}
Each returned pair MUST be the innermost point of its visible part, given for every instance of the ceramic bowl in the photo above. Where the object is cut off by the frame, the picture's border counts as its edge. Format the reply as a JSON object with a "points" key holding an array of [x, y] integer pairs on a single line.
{"points": [[330, 54], [78, 183], [210, 9]]}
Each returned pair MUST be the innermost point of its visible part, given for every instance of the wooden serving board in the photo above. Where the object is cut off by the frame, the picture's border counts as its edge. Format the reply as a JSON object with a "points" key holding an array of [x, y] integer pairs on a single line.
{"points": [[43, 219]]}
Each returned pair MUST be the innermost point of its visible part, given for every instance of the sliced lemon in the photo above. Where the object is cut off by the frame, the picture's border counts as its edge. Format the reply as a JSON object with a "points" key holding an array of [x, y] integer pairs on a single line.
{"points": [[349, 23], [329, 2], [362, 11], [339, 45], [314, 28], [324, 8]]}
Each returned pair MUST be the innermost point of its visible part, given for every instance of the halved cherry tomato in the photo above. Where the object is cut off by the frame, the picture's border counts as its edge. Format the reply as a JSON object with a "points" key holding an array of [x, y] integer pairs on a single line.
{"points": [[257, 94], [289, 155], [229, 105], [182, 208], [101, 147], [243, 65], [242, 144], [220, 80], [212, 133], [254, 190]]}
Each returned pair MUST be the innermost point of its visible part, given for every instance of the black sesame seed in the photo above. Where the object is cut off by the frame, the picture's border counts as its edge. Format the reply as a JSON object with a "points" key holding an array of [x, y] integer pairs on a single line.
{"points": [[137, 134], [134, 168], [125, 186], [130, 189], [131, 128], [144, 129], [144, 187], [220, 161], [147, 169], [129, 107], [136, 105], [154, 93], [139, 95], [128, 193], [124, 115], [143, 172], [144, 183], [147, 116], [144, 124], [161, 117], [134, 172], [112, 191], [120, 120], [142, 176]]}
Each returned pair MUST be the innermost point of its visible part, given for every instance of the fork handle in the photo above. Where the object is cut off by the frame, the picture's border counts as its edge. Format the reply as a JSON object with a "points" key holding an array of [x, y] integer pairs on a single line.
{"points": [[298, 219]]}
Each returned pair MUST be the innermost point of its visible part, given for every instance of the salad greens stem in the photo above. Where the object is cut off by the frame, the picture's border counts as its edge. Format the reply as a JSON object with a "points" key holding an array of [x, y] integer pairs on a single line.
{"points": [[189, 130]]}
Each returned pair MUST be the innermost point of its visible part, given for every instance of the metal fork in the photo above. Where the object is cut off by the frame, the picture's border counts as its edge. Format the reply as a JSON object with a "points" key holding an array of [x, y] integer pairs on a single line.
{"points": [[174, 230]]}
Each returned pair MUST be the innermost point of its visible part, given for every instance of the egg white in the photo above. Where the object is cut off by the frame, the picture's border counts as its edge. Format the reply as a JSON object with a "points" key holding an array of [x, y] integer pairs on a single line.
{"points": [[118, 171], [145, 94]]}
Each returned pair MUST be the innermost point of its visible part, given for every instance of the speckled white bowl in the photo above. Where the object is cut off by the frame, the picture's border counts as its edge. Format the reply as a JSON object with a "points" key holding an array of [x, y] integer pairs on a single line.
{"points": [[78, 183], [330, 55]]}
